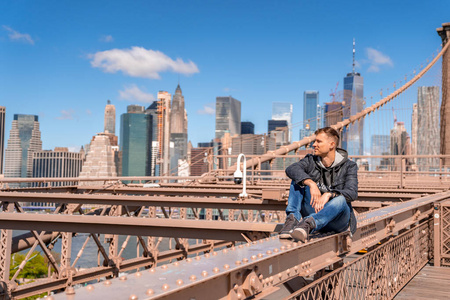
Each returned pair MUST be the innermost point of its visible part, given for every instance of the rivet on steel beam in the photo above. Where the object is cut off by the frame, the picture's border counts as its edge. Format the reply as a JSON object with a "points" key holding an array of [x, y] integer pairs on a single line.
{"points": [[288, 271], [235, 287], [123, 278], [138, 274], [260, 255], [288, 246], [261, 241], [296, 268], [164, 267], [149, 292], [180, 282], [280, 275], [165, 287], [282, 248], [206, 255], [226, 266], [267, 238], [245, 260], [192, 278], [274, 237], [216, 270], [90, 287], [176, 263], [107, 282], [70, 290], [224, 250], [241, 246], [238, 262], [260, 277], [294, 244], [271, 278], [133, 297], [197, 258], [214, 253], [233, 248], [248, 244], [253, 257], [254, 242], [239, 295], [268, 252], [49, 298], [189, 260], [275, 250], [204, 273], [152, 270]]}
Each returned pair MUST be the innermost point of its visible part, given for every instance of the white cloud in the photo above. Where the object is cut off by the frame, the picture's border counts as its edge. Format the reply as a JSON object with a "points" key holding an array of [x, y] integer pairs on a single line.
{"points": [[140, 62], [207, 110], [134, 93], [376, 59], [17, 36], [66, 115], [106, 39]]}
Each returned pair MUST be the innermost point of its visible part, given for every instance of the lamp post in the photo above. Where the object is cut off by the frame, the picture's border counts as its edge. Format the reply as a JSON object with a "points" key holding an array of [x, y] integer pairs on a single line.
{"points": [[241, 176]]}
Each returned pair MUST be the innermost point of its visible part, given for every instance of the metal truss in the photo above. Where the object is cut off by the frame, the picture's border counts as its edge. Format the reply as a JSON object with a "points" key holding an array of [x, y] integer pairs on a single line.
{"points": [[259, 268]]}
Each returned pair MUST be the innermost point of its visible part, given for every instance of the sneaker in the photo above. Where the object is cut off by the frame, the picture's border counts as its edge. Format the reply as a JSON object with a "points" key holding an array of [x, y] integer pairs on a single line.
{"points": [[291, 223], [303, 229]]}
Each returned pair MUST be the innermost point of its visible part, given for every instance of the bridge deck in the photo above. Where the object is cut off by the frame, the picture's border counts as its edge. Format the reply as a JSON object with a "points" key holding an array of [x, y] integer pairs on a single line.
{"points": [[430, 283]]}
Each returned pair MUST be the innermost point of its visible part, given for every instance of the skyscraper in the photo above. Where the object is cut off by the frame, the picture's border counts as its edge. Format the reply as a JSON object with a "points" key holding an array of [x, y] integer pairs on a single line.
{"points": [[381, 145], [2, 136], [228, 116], [163, 110], [247, 128], [136, 141], [153, 111], [310, 103], [178, 130], [399, 143], [352, 136], [283, 111], [332, 113], [110, 118], [274, 124], [24, 139], [428, 131], [59, 163]]}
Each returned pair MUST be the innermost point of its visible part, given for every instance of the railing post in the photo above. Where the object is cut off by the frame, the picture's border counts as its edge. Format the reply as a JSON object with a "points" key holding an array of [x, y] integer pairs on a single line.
{"points": [[5, 253], [402, 165]]}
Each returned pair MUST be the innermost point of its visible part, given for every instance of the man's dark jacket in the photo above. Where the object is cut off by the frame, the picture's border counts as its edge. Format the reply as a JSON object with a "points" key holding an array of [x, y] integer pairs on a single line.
{"points": [[340, 178]]}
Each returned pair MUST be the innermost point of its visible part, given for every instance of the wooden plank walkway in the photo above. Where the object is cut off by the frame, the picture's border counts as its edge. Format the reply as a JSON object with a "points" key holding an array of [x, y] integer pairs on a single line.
{"points": [[430, 283]]}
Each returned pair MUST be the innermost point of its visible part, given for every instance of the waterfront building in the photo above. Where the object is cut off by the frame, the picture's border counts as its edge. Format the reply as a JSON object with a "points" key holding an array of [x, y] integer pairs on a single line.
{"points": [[59, 163], [247, 128], [199, 160], [24, 139], [228, 116], [100, 160], [136, 141], [110, 118], [283, 111]]}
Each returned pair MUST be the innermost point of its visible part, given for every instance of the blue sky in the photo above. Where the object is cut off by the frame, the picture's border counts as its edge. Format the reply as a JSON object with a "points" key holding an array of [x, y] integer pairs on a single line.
{"points": [[62, 60]]}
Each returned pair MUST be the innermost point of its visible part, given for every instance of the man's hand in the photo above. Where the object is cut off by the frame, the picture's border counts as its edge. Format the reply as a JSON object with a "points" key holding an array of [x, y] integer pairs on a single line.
{"points": [[314, 191], [319, 204]]}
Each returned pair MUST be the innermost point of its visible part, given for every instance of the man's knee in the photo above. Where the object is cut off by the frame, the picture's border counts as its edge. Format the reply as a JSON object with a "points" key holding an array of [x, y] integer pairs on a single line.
{"points": [[339, 202]]}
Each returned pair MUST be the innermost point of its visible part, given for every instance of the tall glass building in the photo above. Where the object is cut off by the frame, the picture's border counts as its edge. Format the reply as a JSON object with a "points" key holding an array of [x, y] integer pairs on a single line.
{"points": [[136, 142], [228, 116], [352, 136], [283, 111], [310, 103], [24, 139]]}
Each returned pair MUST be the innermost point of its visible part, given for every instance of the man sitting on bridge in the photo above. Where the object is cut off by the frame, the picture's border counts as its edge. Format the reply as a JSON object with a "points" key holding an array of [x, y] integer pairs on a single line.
{"points": [[323, 186]]}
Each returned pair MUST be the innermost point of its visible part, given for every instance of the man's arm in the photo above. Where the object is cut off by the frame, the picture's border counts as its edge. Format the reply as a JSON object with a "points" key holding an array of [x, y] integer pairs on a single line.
{"points": [[350, 190], [298, 171]]}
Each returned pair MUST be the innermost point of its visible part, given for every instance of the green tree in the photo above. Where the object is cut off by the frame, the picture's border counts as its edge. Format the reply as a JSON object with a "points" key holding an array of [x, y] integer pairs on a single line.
{"points": [[36, 266]]}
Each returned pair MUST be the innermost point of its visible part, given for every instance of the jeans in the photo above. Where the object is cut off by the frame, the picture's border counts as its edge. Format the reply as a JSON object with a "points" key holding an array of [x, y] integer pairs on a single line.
{"points": [[334, 216]]}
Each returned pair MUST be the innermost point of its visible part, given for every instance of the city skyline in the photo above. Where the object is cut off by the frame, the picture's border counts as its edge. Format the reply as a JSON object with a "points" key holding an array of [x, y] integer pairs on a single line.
{"points": [[63, 72]]}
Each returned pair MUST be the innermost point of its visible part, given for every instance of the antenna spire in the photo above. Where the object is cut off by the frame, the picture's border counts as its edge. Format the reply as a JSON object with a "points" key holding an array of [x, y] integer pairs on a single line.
{"points": [[353, 55]]}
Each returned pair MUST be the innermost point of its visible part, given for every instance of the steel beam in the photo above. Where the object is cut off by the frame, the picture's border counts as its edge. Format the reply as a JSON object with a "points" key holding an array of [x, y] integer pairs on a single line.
{"points": [[249, 269]]}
